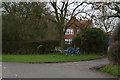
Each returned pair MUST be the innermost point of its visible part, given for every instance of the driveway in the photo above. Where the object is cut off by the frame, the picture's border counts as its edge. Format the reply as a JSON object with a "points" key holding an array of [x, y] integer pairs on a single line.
{"points": [[54, 70]]}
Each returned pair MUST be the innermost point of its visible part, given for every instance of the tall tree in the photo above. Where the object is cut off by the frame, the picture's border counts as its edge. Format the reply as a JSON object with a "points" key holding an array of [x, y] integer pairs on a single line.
{"points": [[108, 12], [30, 16], [104, 14], [62, 13]]}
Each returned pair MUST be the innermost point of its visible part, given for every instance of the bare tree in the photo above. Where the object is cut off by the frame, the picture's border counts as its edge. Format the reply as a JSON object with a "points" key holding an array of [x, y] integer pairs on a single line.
{"points": [[103, 14], [61, 14], [108, 12]]}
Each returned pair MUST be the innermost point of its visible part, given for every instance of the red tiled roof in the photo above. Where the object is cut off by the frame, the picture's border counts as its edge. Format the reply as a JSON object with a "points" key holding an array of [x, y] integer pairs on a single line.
{"points": [[74, 22], [85, 21]]}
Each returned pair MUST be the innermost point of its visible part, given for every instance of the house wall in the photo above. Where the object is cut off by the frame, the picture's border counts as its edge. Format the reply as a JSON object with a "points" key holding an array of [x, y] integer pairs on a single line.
{"points": [[70, 33], [73, 29]]}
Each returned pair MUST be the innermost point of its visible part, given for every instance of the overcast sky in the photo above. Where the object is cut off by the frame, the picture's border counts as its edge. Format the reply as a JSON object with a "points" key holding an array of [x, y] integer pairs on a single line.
{"points": [[88, 9], [62, 0]]}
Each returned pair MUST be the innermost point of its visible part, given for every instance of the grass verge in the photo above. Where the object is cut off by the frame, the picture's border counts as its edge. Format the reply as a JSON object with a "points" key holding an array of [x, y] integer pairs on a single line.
{"points": [[47, 58], [111, 69]]}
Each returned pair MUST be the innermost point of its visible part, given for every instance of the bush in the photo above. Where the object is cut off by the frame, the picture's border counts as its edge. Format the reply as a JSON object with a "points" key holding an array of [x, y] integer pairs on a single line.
{"points": [[91, 40], [76, 41], [113, 53], [114, 48]]}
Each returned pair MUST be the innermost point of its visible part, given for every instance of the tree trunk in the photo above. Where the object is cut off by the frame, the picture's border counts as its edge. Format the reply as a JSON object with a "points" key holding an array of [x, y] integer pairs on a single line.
{"points": [[62, 40]]}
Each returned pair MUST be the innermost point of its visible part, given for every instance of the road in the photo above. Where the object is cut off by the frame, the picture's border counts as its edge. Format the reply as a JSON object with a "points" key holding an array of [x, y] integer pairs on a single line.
{"points": [[54, 70]]}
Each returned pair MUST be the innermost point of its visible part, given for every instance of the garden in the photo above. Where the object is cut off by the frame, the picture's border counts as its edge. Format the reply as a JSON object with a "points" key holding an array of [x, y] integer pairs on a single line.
{"points": [[92, 47], [39, 36]]}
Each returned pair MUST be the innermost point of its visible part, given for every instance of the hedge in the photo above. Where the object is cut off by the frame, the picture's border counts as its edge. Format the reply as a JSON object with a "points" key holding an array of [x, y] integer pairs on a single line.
{"points": [[19, 47]]}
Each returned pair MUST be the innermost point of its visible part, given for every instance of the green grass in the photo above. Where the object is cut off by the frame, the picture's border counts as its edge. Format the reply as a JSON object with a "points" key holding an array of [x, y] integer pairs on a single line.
{"points": [[111, 69], [47, 58]]}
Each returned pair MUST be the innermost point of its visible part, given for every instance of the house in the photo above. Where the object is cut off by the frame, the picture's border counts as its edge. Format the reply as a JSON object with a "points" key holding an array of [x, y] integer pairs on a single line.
{"points": [[75, 28]]}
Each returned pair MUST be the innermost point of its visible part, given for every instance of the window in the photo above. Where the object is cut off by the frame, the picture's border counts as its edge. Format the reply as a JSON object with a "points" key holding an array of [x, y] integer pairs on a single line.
{"points": [[69, 31], [68, 41]]}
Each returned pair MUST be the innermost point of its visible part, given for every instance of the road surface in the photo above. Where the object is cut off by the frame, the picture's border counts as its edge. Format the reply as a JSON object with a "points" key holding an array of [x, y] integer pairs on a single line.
{"points": [[79, 69]]}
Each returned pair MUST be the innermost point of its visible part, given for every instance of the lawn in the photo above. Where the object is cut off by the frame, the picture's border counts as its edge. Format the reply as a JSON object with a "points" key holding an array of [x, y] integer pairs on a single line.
{"points": [[111, 69], [47, 58]]}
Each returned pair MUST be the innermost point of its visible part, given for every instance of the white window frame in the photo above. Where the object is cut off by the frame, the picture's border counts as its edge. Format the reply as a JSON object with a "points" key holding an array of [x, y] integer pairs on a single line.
{"points": [[68, 41], [69, 32]]}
